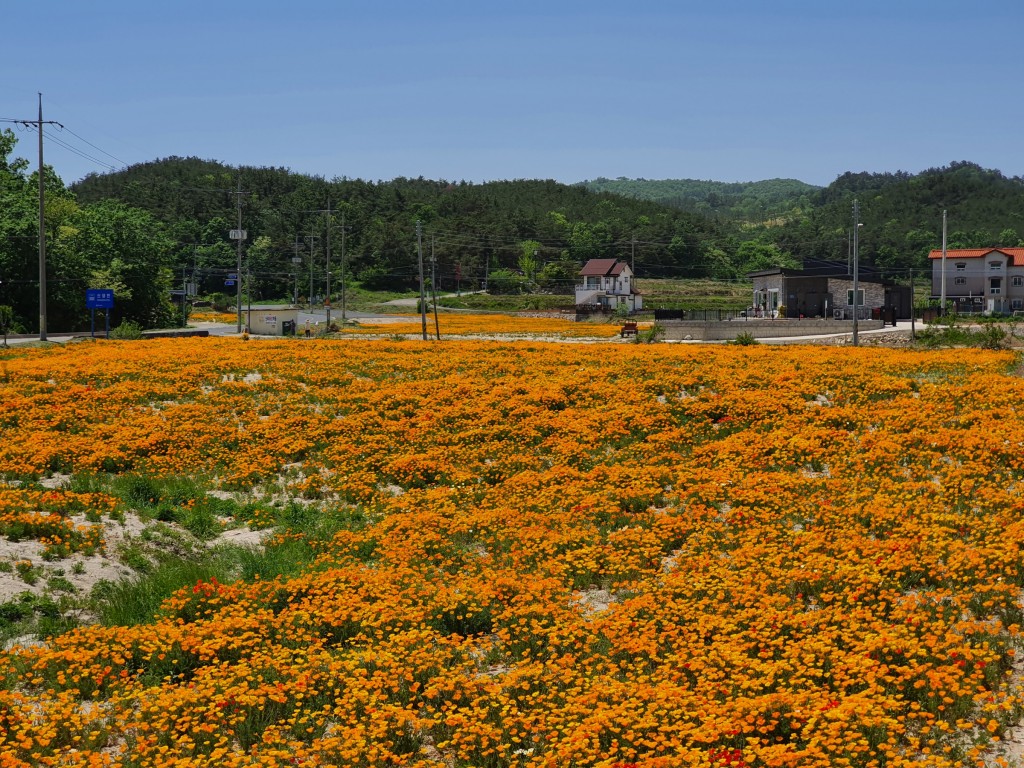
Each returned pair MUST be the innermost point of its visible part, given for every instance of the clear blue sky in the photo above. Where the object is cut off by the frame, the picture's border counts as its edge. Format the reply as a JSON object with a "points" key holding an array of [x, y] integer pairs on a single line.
{"points": [[731, 90]]}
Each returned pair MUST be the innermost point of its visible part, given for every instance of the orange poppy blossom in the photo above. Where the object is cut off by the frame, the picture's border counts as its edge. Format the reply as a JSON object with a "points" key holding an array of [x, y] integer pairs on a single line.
{"points": [[568, 555], [489, 325]]}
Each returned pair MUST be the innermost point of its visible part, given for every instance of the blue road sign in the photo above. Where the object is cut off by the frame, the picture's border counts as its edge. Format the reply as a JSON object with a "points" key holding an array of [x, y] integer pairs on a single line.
{"points": [[99, 298], [229, 282]]}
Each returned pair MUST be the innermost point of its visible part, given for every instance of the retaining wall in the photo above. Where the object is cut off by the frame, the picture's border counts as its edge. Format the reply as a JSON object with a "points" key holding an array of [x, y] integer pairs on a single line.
{"points": [[678, 330]]}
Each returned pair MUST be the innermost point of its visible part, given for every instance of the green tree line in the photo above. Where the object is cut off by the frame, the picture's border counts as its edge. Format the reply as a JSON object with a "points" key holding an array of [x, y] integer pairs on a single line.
{"points": [[155, 225], [104, 244], [469, 231], [901, 212]]}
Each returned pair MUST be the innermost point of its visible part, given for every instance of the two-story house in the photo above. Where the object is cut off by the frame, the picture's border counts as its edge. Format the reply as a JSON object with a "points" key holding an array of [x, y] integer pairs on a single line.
{"points": [[980, 279], [608, 283]]}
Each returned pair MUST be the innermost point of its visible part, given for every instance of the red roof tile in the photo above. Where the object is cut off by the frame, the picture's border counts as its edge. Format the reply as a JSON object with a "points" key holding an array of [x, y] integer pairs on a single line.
{"points": [[1017, 254]]}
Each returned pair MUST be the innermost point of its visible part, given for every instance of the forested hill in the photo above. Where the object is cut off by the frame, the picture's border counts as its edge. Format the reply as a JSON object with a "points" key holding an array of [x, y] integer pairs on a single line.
{"points": [[901, 215], [474, 229], [754, 201], [470, 228]]}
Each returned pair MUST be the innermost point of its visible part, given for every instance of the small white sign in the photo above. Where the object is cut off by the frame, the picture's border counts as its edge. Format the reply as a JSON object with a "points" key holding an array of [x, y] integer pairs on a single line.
{"points": [[237, 234], [270, 319]]}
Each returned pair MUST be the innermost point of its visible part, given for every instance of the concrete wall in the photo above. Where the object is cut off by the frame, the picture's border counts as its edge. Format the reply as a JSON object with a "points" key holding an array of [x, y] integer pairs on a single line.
{"points": [[678, 330], [269, 322]]}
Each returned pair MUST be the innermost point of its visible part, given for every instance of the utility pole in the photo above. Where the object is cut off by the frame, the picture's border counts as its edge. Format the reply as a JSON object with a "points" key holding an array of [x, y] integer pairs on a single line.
{"points": [[238, 267], [42, 231], [248, 295], [856, 267], [913, 329], [942, 273], [296, 260], [312, 240], [38, 124], [632, 255], [343, 266], [433, 288], [327, 301], [423, 298]]}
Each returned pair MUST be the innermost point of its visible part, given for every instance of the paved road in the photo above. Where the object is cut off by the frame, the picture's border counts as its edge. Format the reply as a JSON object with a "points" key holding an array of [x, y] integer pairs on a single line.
{"points": [[414, 302], [229, 329]]}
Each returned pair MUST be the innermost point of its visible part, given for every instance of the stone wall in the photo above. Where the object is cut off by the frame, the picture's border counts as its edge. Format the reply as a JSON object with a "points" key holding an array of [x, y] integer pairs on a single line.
{"points": [[874, 295]]}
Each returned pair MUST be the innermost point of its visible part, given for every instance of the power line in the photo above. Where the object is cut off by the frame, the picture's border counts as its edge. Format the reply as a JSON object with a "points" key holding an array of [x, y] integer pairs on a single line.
{"points": [[112, 157]]}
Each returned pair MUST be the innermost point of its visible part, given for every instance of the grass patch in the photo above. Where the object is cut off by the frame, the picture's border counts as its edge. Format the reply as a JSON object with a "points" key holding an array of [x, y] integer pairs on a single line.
{"points": [[937, 336], [138, 600], [503, 303], [33, 615], [695, 294], [161, 573]]}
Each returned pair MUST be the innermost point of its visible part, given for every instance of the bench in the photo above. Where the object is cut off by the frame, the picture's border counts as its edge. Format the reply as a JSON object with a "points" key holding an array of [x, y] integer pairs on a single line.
{"points": [[628, 329]]}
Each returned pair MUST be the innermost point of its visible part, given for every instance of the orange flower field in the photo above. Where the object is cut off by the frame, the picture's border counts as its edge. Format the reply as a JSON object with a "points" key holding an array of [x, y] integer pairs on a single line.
{"points": [[451, 324], [556, 554]]}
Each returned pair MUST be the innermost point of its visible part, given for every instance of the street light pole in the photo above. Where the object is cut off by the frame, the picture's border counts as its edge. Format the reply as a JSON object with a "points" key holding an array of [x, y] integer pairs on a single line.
{"points": [[942, 273], [856, 269], [312, 255], [343, 320]]}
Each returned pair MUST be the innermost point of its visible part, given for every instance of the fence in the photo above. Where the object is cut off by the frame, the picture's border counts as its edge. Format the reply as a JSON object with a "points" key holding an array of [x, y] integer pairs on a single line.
{"points": [[705, 315]]}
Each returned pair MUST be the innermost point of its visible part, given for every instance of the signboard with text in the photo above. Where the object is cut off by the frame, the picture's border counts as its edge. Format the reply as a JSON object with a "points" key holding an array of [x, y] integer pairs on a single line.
{"points": [[99, 298]]}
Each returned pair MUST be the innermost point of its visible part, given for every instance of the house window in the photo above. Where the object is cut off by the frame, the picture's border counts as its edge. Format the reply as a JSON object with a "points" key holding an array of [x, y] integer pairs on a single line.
{"points": [[1018, 281], [961, 266], [1017, 304], [995, 286], [960, 281], [860, 297], [995, 266]]}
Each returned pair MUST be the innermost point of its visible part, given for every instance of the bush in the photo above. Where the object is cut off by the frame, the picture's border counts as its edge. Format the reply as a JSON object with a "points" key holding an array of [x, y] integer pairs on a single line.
{"points": [[6, 321], [650, 335], [558, 278], [127, 330], [375, 278], [991, 337], [744, 339], [222, 302], [505, 281]]}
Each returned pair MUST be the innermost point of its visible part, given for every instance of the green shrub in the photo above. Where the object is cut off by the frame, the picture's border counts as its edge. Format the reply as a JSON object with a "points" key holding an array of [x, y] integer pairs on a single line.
{"points": [[222, 302], [505, 281], [201, 523], [744, 339], [650, 335], [127, 331], [991, 337], [375, 278]]}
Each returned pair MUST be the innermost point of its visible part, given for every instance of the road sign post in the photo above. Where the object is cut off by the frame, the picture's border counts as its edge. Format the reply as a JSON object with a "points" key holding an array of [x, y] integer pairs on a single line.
{"points": [[99, 298]]}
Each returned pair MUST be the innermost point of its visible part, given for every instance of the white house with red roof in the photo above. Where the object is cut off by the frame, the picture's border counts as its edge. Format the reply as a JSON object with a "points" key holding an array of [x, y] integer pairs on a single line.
{"points": [[609, 284], [980, 279]]}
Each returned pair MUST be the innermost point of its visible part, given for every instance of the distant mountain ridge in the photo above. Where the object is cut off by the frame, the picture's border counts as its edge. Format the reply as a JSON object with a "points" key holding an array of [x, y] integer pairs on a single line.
{"points": [[682, 227], [753, 201]]}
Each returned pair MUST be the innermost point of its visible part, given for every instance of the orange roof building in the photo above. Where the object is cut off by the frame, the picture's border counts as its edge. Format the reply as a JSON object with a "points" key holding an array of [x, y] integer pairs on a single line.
{"points": [[980, 279]]}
